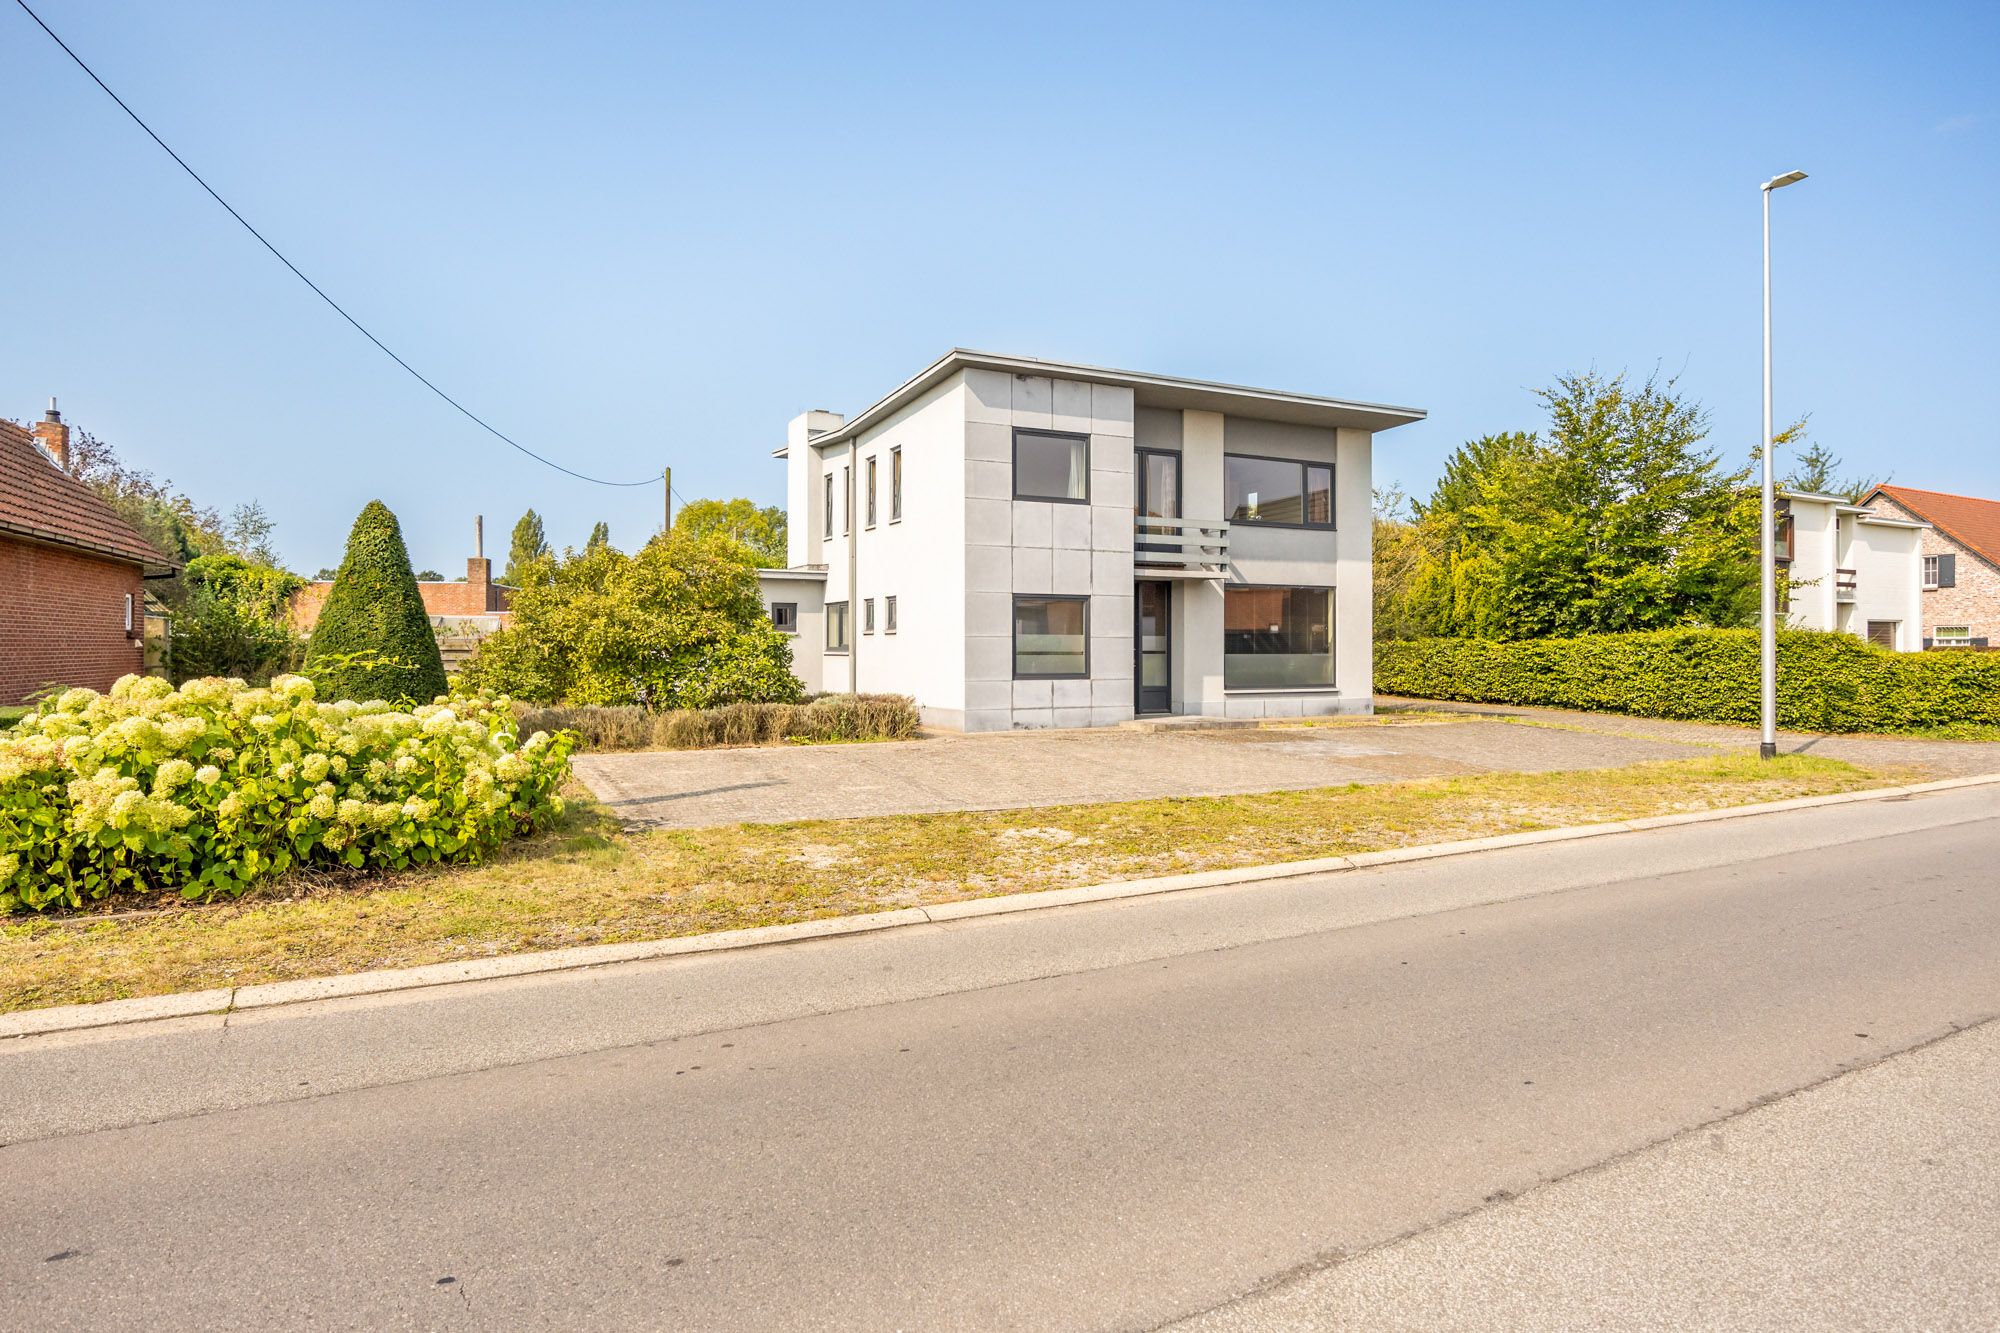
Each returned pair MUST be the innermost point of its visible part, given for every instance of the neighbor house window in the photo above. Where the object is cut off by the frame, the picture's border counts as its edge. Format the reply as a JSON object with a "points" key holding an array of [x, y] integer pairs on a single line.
{"points": [[847, 498], [128, 613], [895, 485], [785, 617], [836, 627], [1282, 492], [829, 508], [871, 491], [868, 615], [1051, 637], [1277, 638], [1930, 571], [1952, 636], [1051, 466], [888, 615]]}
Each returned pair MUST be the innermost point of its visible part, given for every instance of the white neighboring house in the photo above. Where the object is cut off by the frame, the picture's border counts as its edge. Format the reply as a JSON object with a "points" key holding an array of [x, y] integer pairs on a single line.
{"points": [[1851, 569], [1024, 543]]}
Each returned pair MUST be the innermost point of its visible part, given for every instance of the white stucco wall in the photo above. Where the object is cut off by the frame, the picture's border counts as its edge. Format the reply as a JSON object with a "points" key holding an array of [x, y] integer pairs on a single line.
{"points": [[1814, 559], [1888, 574], [809, 596]]}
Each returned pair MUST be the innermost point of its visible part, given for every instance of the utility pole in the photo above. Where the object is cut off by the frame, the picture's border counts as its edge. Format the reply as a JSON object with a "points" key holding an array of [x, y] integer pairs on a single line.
{"points": [[1767, 638], [667, 484]]}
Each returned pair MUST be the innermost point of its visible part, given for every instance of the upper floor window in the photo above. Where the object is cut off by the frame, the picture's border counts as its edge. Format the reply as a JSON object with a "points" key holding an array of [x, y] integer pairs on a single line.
{"points": [[1279, 492], [868, 615], [888, 615], [828, 509], [871, 490], [896, 484], [847, 498], [1940, 571], [1050, 465], [128, 613]]}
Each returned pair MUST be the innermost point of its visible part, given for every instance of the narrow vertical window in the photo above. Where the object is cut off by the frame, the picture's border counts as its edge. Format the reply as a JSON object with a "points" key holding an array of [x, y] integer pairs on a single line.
{"points": [[828, 536], [128, 613], [847, 498], [896, 484], [888, 615], [868, 615], [871, 490]]}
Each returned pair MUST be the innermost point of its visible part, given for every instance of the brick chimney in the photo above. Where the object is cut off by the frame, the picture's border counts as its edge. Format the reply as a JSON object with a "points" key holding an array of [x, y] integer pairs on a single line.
{"points": [[478, 569], [53, 435]]}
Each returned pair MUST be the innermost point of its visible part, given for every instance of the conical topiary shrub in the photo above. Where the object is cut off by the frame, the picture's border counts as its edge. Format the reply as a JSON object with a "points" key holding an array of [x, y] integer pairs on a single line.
{"points": [[373, 639]]}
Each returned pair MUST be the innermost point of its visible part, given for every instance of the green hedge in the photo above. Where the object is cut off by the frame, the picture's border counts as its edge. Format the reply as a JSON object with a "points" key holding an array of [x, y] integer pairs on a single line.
{"points": [[829, 717], [1826, 682], [373, 639]]}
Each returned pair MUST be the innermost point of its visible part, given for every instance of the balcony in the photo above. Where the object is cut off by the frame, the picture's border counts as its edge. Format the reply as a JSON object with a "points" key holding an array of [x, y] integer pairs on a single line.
{"points": [[1180, 548], [1843, 585]]}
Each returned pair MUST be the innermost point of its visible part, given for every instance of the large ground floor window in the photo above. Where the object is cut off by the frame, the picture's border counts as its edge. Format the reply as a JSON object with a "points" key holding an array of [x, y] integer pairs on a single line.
{"points": [[1051, 637], [1277, 638]]}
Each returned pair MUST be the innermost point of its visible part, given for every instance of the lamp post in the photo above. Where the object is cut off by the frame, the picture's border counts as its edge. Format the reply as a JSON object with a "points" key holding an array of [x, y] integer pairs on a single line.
{"points": [[1768, 638]]}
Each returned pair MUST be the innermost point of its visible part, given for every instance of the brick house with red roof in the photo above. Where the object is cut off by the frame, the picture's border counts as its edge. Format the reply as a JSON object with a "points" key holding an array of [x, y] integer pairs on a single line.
{"points": [[72, 572], [1961, 553]]}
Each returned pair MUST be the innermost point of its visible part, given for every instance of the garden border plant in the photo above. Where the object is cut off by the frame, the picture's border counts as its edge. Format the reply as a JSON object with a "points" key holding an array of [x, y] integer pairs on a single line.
{"points": [[211, 788], [827, 718]]}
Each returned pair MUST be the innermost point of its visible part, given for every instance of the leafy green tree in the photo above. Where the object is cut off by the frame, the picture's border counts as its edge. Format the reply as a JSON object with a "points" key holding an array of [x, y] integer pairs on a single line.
{"points": [[374, 639], [1817, 468], [600, 537], [1616, 518], [173, 523], [677, 625], [760, 530], [530, 543], [233, 619], [251, 529], [429, 576]]}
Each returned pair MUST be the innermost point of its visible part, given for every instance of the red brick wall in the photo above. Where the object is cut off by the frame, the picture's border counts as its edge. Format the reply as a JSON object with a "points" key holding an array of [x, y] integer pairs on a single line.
{"points": [[62, 619], [468, 598]]}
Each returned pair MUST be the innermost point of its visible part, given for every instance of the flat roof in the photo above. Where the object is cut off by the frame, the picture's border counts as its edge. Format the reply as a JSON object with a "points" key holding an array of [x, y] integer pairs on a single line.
{"points": [[1149, 390]]}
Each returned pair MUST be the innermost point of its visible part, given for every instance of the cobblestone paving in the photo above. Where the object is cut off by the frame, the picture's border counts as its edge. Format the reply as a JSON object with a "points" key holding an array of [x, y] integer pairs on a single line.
{"points": [[693, 788]]}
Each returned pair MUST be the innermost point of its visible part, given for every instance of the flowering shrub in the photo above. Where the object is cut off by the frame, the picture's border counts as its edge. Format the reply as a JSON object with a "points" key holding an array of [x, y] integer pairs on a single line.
{"points": [[209, 788]]}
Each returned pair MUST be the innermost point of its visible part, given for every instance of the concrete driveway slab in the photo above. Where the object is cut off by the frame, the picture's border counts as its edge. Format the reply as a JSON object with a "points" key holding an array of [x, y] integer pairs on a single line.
{"points": [[696, 788]]}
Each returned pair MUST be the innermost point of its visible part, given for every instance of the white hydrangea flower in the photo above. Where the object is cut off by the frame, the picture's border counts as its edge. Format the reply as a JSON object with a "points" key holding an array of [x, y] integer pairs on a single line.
{"points": [[208, 775]]}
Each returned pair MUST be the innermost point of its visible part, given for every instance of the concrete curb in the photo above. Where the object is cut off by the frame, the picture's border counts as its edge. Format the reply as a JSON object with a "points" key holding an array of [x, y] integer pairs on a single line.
{"points": [[137, 1012]]}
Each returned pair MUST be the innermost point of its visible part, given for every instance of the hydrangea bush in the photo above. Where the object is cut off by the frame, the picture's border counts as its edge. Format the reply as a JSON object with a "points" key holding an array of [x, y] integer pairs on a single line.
{"points": [[212, 787]]}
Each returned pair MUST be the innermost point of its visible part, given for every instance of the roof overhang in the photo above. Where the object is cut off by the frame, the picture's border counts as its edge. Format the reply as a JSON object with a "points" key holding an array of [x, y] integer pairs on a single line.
{"points": [[793, 575], [158, 568], [1148, 390]]}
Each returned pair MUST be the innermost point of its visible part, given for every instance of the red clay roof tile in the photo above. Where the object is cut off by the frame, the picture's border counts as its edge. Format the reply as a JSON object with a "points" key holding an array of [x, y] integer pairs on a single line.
{"points": [[39, 500]]}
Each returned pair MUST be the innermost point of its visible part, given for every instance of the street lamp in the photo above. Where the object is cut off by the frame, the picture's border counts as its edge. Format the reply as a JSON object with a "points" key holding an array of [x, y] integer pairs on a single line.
{"points": [[1768, 639]]}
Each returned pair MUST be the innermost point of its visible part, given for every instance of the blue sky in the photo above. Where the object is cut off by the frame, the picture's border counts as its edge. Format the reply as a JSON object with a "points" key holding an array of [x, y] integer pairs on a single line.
{"points": [[635, 234]]}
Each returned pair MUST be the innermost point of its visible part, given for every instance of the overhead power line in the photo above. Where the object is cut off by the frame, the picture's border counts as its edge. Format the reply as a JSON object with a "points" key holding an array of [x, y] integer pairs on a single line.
{"points": [[467, 412]]}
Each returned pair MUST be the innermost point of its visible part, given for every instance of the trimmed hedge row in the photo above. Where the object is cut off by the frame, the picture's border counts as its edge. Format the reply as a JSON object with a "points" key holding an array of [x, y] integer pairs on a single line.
{"points": [[1826, 682], [830, 717]]}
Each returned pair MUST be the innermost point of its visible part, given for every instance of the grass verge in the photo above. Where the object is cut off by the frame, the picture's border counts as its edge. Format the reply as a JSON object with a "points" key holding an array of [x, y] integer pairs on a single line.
{"points": [[585, 882]]}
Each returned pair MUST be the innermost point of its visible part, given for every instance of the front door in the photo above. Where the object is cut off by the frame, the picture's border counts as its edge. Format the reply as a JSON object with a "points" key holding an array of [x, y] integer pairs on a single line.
{"points": [[1150, 639]]}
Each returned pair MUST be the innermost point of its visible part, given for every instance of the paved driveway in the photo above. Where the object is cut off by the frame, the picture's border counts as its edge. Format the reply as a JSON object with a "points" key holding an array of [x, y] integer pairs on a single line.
{"points": [[692, 788]]}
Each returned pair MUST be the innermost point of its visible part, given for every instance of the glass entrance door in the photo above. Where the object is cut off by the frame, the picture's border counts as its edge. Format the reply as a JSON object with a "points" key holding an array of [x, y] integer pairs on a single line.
{"points": [[1151, 637]]}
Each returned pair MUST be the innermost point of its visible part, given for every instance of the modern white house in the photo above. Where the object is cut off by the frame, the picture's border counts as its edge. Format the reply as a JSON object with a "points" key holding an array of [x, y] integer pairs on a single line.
{"points": [[1851, 569], [1024, 543]]}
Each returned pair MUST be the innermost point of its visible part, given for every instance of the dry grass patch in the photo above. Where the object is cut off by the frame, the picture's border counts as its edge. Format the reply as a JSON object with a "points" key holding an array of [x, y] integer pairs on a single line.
{"points": [[588, 883]]}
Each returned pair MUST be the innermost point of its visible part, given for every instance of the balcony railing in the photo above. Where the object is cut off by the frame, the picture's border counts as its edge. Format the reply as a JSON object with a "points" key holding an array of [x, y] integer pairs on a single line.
{"points": [[1844, 583], [1181, 547]]}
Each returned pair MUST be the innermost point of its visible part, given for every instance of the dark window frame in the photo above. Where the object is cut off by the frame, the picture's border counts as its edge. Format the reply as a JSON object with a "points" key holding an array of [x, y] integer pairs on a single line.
{"points": [[1014, 461], [896, 484], [889, 615], [1332, 523], [1332, 592], [847, 499], [827, 536], [868, 615], [789, 608], [871, 491], [846, 643], [1014, 633]]}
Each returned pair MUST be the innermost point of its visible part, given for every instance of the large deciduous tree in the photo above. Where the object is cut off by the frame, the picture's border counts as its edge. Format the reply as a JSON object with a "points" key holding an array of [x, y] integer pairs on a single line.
{"points": [[530, 543], [760, 530], [1616, 518], [679, 624]]}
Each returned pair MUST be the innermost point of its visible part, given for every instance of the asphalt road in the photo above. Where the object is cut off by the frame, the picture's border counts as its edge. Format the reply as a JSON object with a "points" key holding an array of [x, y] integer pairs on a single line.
{"points": [[1105, 1117]]}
